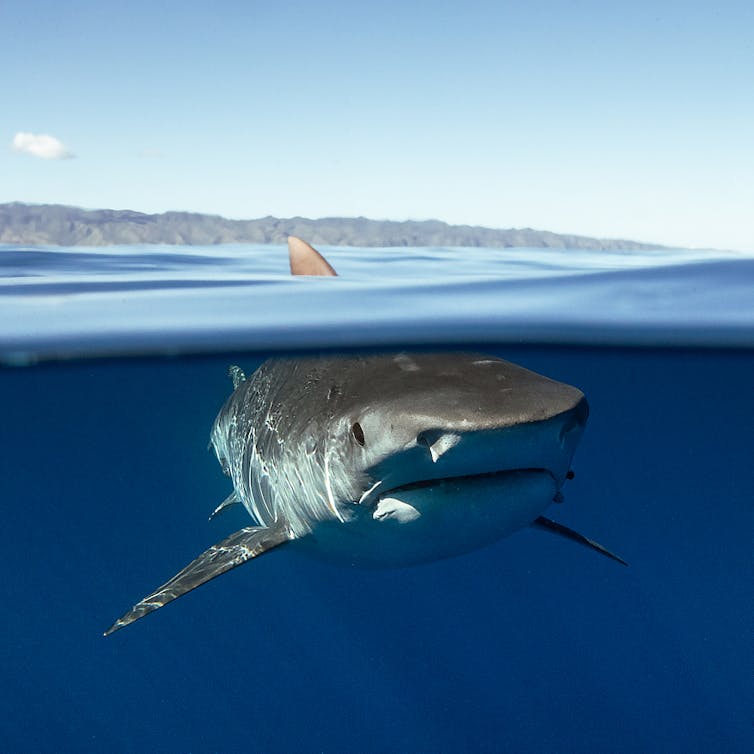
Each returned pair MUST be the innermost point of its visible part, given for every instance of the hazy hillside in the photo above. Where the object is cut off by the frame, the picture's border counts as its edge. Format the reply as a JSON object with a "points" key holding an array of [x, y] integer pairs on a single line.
{"points": [[55, 224]]}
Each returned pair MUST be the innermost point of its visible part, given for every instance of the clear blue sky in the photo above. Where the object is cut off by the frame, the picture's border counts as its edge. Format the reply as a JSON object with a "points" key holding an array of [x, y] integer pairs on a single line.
{"points": [[631, 119]]}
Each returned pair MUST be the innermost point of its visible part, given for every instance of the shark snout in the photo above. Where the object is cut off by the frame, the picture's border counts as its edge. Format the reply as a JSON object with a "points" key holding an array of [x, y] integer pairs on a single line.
{"points": [[434, 454]]}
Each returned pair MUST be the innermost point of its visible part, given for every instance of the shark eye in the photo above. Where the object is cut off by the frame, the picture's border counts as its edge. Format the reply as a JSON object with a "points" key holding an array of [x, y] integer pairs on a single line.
{"points": [[358, 434]]}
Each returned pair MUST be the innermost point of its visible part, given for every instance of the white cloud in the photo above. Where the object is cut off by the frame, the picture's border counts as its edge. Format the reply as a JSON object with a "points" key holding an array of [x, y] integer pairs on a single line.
{"points": [[40, 145]]}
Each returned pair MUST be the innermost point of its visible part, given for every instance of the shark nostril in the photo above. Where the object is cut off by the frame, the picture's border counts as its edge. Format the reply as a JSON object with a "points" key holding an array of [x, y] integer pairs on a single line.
{"points": [[437, 442], [422, 439]]}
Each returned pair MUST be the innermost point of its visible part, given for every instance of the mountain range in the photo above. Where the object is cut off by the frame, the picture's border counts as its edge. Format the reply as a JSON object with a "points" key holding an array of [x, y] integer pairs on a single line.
{"points": [[60, 225]]}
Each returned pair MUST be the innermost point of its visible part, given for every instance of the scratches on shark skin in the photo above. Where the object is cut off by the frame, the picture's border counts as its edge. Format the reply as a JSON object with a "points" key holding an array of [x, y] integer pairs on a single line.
{"points": [[328, 488], [274, 450]]}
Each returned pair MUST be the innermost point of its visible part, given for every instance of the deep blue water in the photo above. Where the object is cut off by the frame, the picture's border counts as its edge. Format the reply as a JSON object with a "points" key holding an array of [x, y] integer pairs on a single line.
{"points": [[533, 644]]}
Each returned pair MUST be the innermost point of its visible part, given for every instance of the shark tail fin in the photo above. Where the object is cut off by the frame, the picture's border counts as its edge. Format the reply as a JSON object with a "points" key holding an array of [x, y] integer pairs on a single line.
{"points": [[232, 551], [306, 260], [574, 536]]}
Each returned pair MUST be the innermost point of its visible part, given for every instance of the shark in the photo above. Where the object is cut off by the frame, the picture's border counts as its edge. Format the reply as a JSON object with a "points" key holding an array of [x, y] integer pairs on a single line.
{"points": [[385, 459]]}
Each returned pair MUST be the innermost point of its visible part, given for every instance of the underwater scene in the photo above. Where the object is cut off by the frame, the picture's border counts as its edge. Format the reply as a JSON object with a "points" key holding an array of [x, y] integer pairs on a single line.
{"points": [[115, 366]]}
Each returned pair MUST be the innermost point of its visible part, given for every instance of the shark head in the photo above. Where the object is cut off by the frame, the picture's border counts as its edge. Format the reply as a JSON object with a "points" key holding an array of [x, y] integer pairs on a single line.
{"points": [[433, 416], [429, 455]]}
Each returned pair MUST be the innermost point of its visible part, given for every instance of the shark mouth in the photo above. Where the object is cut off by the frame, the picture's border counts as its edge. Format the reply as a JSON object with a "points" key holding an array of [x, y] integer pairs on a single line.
{"points": [[511, 498], [460, 478]]}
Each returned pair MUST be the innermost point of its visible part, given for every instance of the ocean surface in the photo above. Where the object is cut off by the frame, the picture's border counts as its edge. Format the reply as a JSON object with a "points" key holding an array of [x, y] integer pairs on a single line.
{"points": [[114, 365]]}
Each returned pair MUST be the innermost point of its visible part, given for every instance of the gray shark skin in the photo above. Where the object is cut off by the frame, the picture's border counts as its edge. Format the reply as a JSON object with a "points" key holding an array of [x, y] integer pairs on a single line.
{"points": [[386, 460]]}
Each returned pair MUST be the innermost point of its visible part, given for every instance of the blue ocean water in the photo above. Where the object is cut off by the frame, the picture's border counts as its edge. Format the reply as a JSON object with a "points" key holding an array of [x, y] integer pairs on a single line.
{"points": [[116, 364]]}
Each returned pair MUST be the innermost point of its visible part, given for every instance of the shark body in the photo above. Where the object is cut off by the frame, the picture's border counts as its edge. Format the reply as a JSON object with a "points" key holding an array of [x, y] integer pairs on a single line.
{"points": [[386, 460]]}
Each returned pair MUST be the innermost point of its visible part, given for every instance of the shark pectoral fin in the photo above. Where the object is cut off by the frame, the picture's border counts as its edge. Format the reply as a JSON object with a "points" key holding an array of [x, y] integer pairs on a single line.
{"points": [[232, 551], [306, 260], [564, 531], [232, 499]]}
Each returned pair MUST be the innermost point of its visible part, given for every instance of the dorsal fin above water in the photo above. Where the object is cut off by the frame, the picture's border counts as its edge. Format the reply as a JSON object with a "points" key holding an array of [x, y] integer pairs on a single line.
{"points": [[230, 552], [306, 260], [574, 536]]}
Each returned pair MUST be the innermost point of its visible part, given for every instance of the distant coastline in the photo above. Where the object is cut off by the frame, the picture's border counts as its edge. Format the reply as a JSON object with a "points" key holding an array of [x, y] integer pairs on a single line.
{"points": [[61, 225]]}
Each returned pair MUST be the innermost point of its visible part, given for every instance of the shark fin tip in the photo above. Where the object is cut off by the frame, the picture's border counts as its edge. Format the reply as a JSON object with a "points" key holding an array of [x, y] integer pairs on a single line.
{"points": [[564, 531], [306, 260]]}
